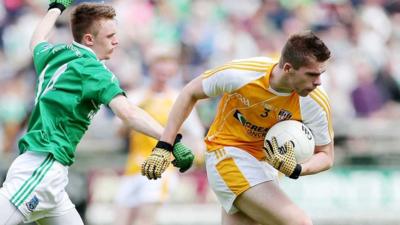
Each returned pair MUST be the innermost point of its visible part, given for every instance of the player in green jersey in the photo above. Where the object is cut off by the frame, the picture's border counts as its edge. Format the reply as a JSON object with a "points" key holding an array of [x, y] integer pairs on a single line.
{"points": [[72, 84]]}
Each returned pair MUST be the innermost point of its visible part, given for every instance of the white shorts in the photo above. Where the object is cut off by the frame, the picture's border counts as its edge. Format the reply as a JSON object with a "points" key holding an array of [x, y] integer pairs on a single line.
{"points": [[35, 184], [231, 171], [135, 190]]}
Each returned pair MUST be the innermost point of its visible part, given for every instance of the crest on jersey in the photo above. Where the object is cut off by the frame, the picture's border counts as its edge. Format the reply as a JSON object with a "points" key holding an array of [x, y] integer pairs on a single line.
{"points": [[251, 129], [284, 115], [240, 117], [31, 205]]}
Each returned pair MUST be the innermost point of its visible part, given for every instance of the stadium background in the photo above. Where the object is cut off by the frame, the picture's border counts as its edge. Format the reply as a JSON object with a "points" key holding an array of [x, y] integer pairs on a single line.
{"points": [[362, 81]]}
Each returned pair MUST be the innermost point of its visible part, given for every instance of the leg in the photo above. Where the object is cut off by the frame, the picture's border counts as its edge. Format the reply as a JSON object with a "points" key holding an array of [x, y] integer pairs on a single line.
{"points": [[9, 214], [267, 204], [238, 218], [70, 218]]}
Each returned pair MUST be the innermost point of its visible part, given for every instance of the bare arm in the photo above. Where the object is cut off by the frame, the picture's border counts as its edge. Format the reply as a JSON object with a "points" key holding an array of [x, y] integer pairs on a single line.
{"points": [[135, 118], [320, 161], [43, 29], [183, 105]]}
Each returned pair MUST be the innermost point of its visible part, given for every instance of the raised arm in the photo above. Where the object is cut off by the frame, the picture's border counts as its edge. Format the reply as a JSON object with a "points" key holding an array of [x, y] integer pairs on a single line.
{"points": [[43, 29]]}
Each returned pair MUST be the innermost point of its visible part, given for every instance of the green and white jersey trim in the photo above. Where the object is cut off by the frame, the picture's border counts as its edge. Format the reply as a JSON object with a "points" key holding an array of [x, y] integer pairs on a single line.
{"points": [[86, 48], [51, 83], [34, 180], [72, 85]]}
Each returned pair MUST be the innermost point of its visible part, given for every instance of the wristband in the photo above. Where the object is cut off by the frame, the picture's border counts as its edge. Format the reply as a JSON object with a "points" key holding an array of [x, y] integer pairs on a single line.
{"points": [[178, 138], [57, 5], [296, 172], [165, 145]]}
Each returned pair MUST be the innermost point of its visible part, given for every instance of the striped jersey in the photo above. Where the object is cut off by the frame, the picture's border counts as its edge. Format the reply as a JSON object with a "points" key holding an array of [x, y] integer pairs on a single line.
{"points": [[72, 84], [249, 106]]}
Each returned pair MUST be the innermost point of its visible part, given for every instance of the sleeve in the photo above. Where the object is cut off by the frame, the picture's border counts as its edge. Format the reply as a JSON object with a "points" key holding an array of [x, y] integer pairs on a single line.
{"points": [[100, 84], [230, 77], [316, 114], [41, 54]]}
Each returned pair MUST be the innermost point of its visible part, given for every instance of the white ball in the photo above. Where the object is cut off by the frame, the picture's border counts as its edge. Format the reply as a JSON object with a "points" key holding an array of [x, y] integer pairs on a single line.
{"points": [[298, 133]]}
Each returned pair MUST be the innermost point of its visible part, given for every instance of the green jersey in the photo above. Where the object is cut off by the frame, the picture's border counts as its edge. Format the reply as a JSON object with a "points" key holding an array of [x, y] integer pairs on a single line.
{"points": [[72, 84]]}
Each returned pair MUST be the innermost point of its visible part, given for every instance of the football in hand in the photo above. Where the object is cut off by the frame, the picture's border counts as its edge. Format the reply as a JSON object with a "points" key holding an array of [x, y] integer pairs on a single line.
{"points": [[296, 132]]}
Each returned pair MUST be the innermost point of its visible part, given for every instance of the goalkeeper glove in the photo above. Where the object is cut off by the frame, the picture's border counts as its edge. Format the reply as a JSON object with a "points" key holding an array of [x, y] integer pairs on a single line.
{"points": [[60, 4], [282, 158], [183, 155], [158, 161]]}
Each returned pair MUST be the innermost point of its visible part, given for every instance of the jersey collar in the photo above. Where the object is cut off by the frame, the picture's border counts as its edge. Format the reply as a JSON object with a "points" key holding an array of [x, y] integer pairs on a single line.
{"points": [[278, 93], [89, 50]]}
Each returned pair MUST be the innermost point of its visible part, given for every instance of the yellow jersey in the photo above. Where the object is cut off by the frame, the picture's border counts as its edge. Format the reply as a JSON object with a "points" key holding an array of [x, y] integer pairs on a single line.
{"points": [[158, 105], [249, 106]]}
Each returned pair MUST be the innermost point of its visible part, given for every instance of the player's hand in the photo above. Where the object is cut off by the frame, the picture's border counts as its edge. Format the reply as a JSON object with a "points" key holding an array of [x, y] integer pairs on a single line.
{"points": [[60, 4], [183, 155], [158, 161], [282, 158]]}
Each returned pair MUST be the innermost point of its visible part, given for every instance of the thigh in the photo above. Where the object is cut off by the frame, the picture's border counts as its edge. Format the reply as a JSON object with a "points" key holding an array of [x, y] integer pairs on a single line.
{"points": [[238, 218], [267, 204], [72, 217], [9, 214], [35, 185], [231, 171]]}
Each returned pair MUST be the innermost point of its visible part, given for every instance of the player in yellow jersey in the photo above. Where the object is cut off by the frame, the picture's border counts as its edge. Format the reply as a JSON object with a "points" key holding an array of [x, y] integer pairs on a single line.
{"points": [[256, 94], [138, 198]]}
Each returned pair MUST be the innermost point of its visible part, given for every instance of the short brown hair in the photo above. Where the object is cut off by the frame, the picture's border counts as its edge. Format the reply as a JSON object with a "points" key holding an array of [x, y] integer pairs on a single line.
{"points": [[86, 15], [301, 48]]}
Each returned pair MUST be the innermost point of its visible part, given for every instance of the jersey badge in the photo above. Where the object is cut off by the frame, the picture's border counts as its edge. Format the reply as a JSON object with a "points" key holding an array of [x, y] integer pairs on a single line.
{"points": [[32, 204], [240, 117], [284, 115]]}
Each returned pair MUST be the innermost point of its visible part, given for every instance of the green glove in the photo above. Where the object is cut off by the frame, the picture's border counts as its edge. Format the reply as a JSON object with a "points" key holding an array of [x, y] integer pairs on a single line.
{"points": [[60, 4], [183, 155]]}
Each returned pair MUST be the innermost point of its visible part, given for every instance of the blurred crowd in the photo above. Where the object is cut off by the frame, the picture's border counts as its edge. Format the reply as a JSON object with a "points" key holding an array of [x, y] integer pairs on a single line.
{"points": [[362, 79]]}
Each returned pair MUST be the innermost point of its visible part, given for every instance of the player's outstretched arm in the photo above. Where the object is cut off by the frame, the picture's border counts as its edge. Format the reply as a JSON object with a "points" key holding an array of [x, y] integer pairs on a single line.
{"points": [[43, 29], [184, 104], [135, 118]]}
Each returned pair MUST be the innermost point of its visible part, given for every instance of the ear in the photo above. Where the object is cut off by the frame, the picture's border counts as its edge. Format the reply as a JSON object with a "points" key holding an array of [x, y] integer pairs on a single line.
{"points": [[88, 40], [287, 67]]}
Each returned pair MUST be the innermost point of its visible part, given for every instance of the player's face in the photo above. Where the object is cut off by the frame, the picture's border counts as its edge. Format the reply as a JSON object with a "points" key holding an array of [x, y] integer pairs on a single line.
{"points": [[307, 78], [105, 41]]}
